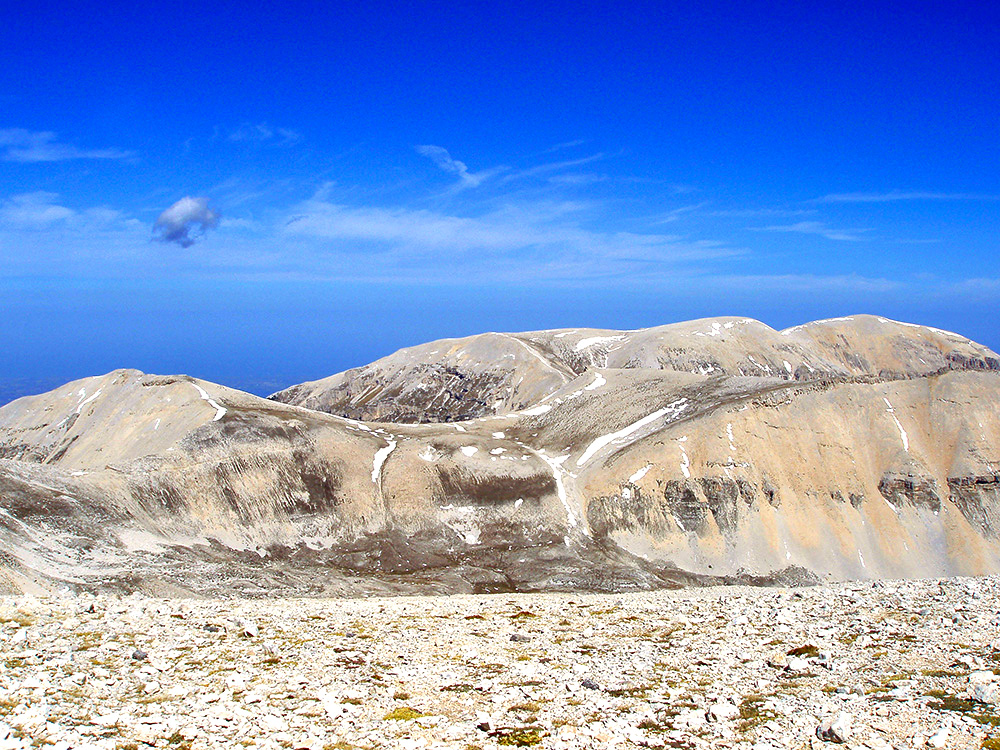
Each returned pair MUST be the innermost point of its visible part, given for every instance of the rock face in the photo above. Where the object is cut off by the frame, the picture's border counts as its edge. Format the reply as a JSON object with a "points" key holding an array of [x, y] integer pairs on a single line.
{"points": [[555, 460]]}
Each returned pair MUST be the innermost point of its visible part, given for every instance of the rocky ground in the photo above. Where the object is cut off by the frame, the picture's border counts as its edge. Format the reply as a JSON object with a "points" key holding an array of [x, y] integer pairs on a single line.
{"points": [[866, 665]]}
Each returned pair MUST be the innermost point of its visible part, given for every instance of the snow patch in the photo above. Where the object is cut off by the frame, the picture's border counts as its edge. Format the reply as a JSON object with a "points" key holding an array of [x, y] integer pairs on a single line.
{"points": [[902, 432], [589, 342], [220, 411], [380, 456], [469, 450], [670, 411], [788, 365], [499, 435], [599, 380], [637, 477], [428, 454], [82, 404], [536, 411], [685, 461]]}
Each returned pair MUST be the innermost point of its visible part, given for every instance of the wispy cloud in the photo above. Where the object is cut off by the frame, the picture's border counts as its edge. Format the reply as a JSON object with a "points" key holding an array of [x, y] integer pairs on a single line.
{"points": [[40, 210], [809, 282], [26, 146], [33, 210], [185, 221], [546, 239], [577, 178], [677, 213], [899, 195], [756, 213], [565, 145], [263, 134], [444, 160], [817, 228], [554, 166]]}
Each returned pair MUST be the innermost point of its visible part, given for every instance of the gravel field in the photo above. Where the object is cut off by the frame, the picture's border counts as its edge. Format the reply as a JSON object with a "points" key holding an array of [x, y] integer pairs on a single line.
{"points": [[894, 664]]}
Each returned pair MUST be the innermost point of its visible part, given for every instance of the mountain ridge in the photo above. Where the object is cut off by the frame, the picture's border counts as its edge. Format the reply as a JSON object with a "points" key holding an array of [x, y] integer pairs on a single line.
{"points": [[883, 464]]}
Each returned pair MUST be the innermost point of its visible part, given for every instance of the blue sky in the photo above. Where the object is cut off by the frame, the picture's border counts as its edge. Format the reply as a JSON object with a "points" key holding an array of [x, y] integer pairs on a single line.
{"points": [[340, 181]]}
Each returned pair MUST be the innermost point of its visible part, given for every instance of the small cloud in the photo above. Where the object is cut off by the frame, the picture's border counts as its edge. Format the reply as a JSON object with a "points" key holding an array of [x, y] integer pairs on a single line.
{"points": [[754, 213], [27, 146], [33, 210], [185, 221], [899, 195], [262, 133], [810, 283], [817, 228], [567, 144], [554, 166], [443, 159], [582, 178]]}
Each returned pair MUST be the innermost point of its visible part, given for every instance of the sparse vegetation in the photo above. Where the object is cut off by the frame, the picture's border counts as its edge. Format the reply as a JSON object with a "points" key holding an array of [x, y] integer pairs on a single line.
{"points": [[403, 713]]}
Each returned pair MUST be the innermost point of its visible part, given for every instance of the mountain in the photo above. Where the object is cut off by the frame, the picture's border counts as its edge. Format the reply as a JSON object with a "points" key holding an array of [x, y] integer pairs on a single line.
{"points": [[493, 373], [712, 451]]}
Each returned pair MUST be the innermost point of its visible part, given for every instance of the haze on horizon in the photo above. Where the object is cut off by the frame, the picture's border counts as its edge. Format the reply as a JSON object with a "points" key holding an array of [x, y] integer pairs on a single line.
{"points": [[260, 197]]}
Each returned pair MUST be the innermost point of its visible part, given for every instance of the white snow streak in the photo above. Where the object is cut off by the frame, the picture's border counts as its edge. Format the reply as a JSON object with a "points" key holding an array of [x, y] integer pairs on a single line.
{"points": [[902, 432], [557, 472], [82, 404], [220, 411], [598, 382], [685, 461], [499, 435], [637, 477], [586, 343], [672, 409], [380, 456], [536, 410]]}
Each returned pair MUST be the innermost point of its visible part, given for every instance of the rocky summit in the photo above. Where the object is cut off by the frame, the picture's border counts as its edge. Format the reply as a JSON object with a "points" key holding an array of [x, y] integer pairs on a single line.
{"points": [[888, 665], [714, 451]]}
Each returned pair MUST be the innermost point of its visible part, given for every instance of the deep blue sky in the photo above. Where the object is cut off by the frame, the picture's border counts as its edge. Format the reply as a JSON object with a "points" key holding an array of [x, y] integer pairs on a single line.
{"points": [[385, 175]]}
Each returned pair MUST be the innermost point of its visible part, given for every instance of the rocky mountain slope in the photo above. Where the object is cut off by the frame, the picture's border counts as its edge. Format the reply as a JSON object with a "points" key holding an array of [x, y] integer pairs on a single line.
{"points": [[493, 373], [900, 664], [710, 451]]}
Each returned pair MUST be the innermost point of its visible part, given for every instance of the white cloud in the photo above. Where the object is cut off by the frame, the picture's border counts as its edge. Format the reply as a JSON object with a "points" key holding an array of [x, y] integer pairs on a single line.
{"points": [[444, 160], [565, 145], [899, 195], [22, 145], [544, 238], [817, 228], [261, 133], [554, 166], [33, 210], [808, 283], [185, 221]]}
